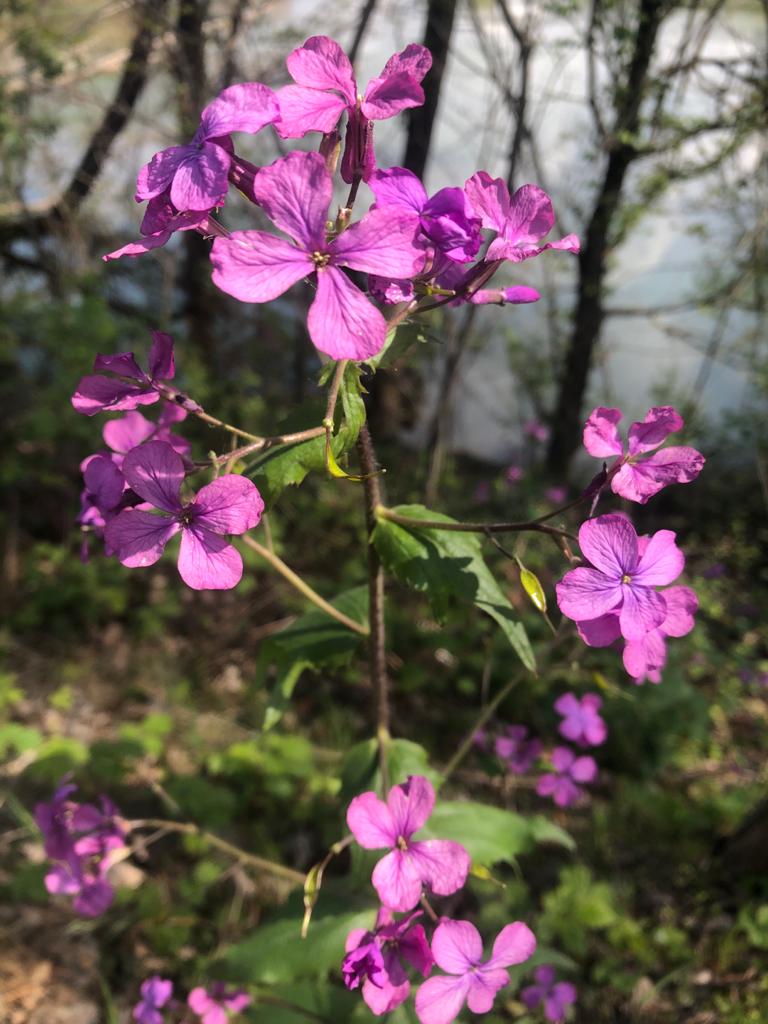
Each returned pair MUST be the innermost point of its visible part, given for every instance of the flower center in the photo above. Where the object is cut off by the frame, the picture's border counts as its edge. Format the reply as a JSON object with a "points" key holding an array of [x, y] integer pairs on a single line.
{"points": [[186, 516], [321, 259], [626, 579], [402, 843]]}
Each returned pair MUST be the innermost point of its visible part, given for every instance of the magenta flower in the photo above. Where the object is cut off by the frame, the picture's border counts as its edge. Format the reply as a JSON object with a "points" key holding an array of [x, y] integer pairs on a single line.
{"points": [[556, 997], [254, 266], [161, 221], [155, 993], [620, 578], [130, 386], [458, 950], [633, 476], [398, 878], [514, 474], [556, 494], [564, 785], [376, 960], [537, 430], [215, 1003], [517, 750], [230, 504], [129, 431], [581, 723], [520, 221], [195, 176], [326, 87]]}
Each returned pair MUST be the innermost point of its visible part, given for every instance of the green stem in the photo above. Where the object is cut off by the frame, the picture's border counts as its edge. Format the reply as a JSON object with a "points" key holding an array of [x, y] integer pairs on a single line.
{"points": [[534, 525], [482, 718]]}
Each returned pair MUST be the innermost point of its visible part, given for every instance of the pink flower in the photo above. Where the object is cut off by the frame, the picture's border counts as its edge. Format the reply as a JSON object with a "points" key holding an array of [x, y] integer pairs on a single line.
{"points": [[458, 950], [514, 474], [556, 996], [621, 578], [162, 220], [520, 221], [254, 266], [398, 878], [635, 477], [155, 993], [375, 959], [570, 771], [130, 386], [517, 750], [195, 176], [216, 1003], [556, 494], [581, 723], [229, 505], [325, 88], [537, 430]]}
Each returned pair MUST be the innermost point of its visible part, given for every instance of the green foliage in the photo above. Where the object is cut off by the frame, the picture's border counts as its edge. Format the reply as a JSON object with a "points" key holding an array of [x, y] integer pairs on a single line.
{"points": [[448, 566], [578, 906]]}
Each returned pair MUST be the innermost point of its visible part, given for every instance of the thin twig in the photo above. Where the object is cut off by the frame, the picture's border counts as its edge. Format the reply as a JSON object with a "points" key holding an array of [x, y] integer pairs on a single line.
{"points": [[437, 524], [482, 718]]}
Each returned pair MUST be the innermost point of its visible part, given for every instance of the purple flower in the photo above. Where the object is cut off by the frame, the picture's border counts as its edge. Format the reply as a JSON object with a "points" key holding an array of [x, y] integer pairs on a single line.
{"points": [[581, 723], [622, 578], [458, 950], [326, 87], [556, 494], [230, 504], [195, 176], [634, 477], [130, 386], [215, 1003], [155, 993], [129, 431], [254, 266], [520, 221], [556, 996], [375, 960], [161, 220], [537, 430], [514, 474], [517, 750], [398, 878], [570, 771]]}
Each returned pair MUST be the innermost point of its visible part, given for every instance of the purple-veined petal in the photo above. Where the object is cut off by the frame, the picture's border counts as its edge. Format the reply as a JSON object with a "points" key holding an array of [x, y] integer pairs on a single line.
{"points": [[342, 322], [601, 436], [646, 654], [584, 769], [155, 177], [514, 944], [229, 504], [643, 610], [207, 561], [483, 987], [530, 216], [138, 538], [127, 432], [489, 198], [516, 252], [105, 394], [439, 999], [610, 543], [448, 221], [161, 364], [382, 242], [201, 181], [320, 63], [307, 110], [397, 881], [639, 481], [600, 632], [123, 363], [587, 594], [397, 186], [246, 107], [661, 562], [410, 804], [659, 423], [390, 290], [442, 864], [682, 605], [370, 822], [388, 95], [104, 482], [517, 295], [295, 192], [414, 948], [253, 266], [155, 472], [415, 60], [457, 946]]}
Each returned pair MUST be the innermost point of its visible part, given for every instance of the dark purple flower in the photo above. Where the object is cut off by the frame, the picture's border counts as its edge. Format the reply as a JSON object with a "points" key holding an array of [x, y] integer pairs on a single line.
{"points": [[570, 772], [130, 386], [556, 996], [215, 1003], [517, 750], [231, 504], [155, 993], [161, 221], [581, 723], [195, 176], [376, 960]]}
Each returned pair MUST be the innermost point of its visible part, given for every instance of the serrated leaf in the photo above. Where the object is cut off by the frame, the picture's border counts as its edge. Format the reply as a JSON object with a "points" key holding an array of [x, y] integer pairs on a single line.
{"points": [[448, 565]]}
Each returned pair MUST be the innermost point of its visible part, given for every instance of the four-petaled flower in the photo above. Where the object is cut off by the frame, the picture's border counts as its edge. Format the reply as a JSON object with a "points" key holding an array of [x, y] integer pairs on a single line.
{"points": [[638, 478], [130, 386], [155, 993], [162, 220], [215, 1003], [375, 959], [564, 784], [581, 723], [254, 266], [556, 996], [195, 176], [398, 878], [516, 749], [620, 578], [458, 950], [230, 504]]}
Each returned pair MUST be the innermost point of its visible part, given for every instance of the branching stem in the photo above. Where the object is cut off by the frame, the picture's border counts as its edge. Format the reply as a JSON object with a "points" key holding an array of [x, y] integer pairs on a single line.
{"points": [[535, 525]]}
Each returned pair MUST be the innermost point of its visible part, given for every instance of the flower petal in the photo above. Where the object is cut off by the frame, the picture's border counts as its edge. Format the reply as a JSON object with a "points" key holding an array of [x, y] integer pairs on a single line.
{"points": [[584, 769], [682, 605], [388, 95], [104, 482], [307, 110], [383, 242], [342, 322], [439, 999], [643, 610], [442, 864], [295, 193], [659, 423], [641, 480], [155, 177], [105, 394], [385, 998], [410, 804], [127, 432], [397, 881], [246, 107], [601, 436], [600, 632], [457, 946], [397, 186], [645, 655], [208, 561], [320, 63], [229, 504], [489, 197], [253, 266], [483, 987], [610, 544], [414, 60], [161, 365], [201, 181], [371, 823], [155, 472], [661, 562], [514, 944], [530, 216], [500, 296], [587, 594], [138, 538]]}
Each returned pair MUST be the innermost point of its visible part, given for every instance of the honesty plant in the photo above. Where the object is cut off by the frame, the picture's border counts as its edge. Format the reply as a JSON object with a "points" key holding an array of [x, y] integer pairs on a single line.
{"points": [[555, 997], [156, 993], [128, 386], [570, 773], [378, 959], [214, 1004], [581, 722]]}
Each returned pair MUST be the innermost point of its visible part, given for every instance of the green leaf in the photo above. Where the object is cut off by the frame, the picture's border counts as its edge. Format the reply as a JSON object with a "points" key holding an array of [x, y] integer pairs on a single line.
{"points": [[447, 565], [304, 1001], [360, 767], [399, 341], [315, 640], [546, 832]]}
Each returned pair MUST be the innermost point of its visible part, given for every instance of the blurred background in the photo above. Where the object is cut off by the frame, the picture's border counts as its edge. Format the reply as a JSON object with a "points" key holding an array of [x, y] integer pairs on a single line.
{"points": [[646, 122]]}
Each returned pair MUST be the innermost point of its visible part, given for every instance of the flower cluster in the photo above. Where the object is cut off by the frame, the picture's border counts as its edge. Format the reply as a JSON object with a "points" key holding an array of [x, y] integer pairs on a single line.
{"points": [[213, 1005], [83, 841]]}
